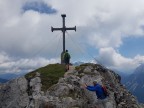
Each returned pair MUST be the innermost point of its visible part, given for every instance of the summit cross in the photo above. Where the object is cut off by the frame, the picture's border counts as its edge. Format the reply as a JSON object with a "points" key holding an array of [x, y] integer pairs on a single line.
{"points": [[63, 29]]}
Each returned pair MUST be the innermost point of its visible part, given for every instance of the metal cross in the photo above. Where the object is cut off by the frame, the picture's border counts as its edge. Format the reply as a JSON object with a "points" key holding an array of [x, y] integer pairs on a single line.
{"points": [[63, 29]]}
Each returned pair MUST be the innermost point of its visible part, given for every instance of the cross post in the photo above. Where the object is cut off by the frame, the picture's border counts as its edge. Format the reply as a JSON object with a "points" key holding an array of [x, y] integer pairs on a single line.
{"points": [[63, 29]]}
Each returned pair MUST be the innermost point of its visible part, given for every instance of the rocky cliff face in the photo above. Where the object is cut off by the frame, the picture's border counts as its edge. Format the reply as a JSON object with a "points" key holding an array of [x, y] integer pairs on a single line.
{"points": [[68, 92]]}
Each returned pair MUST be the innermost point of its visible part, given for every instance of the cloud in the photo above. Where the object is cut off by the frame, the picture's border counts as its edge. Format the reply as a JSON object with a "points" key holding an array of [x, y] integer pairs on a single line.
{"points": [[10, 65], [38, 6], [100, 24], [112, 59], [4, 57], [103, 23]]}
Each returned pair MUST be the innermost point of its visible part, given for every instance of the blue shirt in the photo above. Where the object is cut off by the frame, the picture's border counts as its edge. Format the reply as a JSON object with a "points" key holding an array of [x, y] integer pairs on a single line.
{"points": [[99, 91]]}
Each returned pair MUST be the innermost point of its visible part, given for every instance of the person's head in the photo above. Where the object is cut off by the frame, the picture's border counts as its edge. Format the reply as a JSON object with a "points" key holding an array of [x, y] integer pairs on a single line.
{"points": [[95, 82], [66, 50]]}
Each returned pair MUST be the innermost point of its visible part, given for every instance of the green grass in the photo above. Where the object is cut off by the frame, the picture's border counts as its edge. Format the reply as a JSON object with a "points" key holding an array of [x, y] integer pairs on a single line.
{"points": [[49, 74]]}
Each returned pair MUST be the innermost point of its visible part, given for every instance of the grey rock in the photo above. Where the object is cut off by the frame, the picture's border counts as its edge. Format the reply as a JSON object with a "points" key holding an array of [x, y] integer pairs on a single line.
{"points": [[37, 74], [14, 94], [68, 92], [88, 69]]}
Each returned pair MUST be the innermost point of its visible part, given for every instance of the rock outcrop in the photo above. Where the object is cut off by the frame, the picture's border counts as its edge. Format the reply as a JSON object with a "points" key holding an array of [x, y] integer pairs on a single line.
{"points": [[68, 92], [13, 94]]}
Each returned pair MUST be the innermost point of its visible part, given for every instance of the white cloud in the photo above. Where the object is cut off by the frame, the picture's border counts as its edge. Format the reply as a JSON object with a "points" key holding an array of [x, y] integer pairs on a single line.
{"points": [[11, 65], [105, 23], [139, 59], [100, 23], [112, 59], [3, 57]]}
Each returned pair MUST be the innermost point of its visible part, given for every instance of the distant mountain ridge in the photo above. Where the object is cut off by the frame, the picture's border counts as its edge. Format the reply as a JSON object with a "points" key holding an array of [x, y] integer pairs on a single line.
{"points": [[135, 83], [139, 70], [9, 76], [77, 63]]}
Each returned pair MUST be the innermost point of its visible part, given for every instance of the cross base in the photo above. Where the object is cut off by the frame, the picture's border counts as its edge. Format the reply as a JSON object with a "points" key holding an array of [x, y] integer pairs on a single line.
{"points": [[62, 58]]}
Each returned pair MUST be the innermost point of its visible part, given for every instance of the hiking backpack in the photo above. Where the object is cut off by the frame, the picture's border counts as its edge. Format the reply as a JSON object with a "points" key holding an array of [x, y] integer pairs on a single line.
{"points": [[105, 91], [66, 56]]}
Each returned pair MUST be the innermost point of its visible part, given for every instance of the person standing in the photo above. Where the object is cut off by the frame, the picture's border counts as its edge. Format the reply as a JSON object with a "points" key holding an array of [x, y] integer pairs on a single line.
{"points": [[67, 59]]}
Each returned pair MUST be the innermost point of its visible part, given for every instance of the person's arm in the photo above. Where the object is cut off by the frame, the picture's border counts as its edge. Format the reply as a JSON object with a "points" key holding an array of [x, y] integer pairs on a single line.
{"points": [[84, 85], [91, 88]]}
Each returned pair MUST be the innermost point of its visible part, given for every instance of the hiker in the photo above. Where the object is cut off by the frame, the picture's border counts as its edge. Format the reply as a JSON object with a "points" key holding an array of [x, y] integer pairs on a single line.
{"points": [[67, 59], [100, 93]]}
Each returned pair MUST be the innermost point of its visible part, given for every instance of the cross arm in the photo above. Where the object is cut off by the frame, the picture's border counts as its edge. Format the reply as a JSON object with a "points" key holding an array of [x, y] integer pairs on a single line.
{"points": [[53, 29], [72, 28]]}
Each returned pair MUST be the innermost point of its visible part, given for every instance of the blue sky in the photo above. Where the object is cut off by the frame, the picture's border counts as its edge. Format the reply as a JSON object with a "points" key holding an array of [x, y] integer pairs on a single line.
{"points": [[132, 46], [109, 31]]}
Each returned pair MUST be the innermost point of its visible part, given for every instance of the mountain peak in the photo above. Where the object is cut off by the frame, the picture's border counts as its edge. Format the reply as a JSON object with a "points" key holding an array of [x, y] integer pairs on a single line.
{"points": [[139, 69], [135, 83], [65, 90]]}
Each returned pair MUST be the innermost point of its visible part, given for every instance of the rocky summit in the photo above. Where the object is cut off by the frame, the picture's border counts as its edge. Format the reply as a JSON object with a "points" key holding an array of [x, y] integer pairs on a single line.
{"points": [[32, 90]]}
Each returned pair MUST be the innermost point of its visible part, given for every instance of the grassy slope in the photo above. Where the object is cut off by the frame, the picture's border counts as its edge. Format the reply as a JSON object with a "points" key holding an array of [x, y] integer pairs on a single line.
{"points": [[50, 74]]}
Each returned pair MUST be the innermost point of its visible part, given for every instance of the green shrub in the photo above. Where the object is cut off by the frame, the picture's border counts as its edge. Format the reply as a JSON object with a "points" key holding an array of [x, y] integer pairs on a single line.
{"points": [[49, 74]]}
